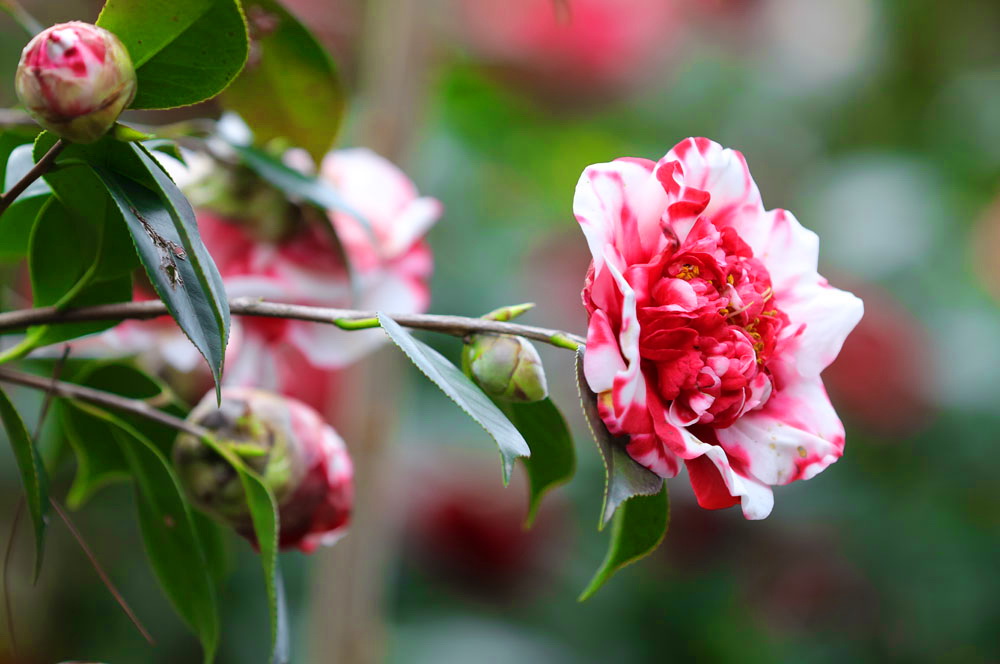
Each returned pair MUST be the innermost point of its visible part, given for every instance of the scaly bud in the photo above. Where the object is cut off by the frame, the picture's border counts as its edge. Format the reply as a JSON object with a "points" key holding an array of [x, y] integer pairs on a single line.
{"points": [[75, 79], [505, 366], [300, 457]]}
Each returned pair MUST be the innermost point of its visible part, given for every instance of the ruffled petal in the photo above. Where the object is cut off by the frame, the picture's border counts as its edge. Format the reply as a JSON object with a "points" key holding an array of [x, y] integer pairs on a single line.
{"points": [[822, 316], [755, 497], [619, 204], [706, 166], [789, 251], [794, 436]]}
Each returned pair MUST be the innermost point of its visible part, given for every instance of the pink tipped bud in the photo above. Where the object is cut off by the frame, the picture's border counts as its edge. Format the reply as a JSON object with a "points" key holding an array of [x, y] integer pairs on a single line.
{"points": [[300, 457], [75, 79]]}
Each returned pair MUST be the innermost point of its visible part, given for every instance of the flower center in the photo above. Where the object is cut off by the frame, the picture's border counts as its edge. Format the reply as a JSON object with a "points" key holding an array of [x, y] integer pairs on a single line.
{"points": [[709, 328]]}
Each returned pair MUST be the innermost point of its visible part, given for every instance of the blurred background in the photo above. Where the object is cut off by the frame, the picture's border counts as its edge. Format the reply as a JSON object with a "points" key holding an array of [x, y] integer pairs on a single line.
{"points": [[877, 122]]}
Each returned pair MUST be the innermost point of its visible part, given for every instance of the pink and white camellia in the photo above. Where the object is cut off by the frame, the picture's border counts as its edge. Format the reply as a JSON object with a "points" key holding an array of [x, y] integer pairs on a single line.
{"points": [[75, 79], [709, 325], [392, 264], [304, 462]]}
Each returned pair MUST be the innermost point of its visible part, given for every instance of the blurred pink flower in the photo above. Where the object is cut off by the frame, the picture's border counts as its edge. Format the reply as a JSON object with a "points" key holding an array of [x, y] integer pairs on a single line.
{"points": [[391, 263], [882, 376], [580, 46], [709, 325], [465, 528]]}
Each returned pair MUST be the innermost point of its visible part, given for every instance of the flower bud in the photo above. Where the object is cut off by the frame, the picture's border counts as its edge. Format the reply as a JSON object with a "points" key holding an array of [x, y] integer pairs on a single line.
{"points": [[506, 367], [300, 458], [75, 79]]}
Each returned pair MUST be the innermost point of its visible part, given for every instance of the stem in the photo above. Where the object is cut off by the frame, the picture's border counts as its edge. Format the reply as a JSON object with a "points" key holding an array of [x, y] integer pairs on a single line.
{"points": [[6, 577], [458, 326], [101, 398], [22, 17], [43, 165], [105, 579]]}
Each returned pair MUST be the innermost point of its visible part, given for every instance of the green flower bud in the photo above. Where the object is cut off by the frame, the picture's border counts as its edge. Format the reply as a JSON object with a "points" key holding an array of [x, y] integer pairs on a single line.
{"points": [[506, 367], [75, 79]]}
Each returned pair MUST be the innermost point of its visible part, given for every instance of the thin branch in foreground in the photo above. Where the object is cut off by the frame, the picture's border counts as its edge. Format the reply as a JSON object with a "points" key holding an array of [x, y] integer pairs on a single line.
{"points": [[101, 398], [6, 577], [105, 579], [39, 169], [347, 319]]}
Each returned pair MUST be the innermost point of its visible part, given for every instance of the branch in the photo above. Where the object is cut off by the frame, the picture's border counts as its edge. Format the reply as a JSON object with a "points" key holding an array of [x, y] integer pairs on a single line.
{"points": [[346, 319], [101, 398], [43, 165]]}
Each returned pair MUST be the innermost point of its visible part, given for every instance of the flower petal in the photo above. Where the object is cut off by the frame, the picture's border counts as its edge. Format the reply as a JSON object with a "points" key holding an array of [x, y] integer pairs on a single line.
{"points": [[794, 436], [706, 166], [619, 204], [828, 315]]}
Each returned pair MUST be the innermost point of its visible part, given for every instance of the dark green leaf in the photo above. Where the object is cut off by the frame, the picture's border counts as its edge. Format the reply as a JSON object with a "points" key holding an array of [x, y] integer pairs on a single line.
{"points": [[293, 71], [16, 225], [69, 266], [638, 528], [33, 477], [624, 477], [165, 146], [463, 392], [264, 514], [184, 51], [296, 185], [165, 233], [99, 459], [553, 458], [169, 534], [213, 542]]}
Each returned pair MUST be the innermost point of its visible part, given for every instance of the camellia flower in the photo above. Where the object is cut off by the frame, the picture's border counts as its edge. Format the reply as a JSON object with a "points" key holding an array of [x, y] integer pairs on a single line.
{"points": [[709, 325], [299, 456], [391, 264], [584, 47], [75, 79]]}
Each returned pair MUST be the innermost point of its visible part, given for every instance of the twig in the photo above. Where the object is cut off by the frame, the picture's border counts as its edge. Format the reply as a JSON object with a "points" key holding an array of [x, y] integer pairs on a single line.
{"points": [[348, 319], [6, 583], [101, 398], [21, 16], [101, 573], [43, 165]]}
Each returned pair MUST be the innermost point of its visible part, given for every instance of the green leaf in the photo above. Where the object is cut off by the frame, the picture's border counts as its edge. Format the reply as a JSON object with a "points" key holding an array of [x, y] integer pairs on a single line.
{"points": [[15, 228], [264, 514], [33, 477], [184, 51], [171, 539], [165, 233], [295, 184], [553, 457], [623, 477], [16, 225], [99, 459], [638, 528], [463, 392], [70, 265], [293, 71]]}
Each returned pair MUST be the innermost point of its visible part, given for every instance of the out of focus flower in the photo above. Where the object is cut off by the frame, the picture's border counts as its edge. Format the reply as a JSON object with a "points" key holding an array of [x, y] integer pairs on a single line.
{"points": [[390, 261], [582, 47], [709, 325], [469, 531], [75, 79], [883, 374], [299, 456]]}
